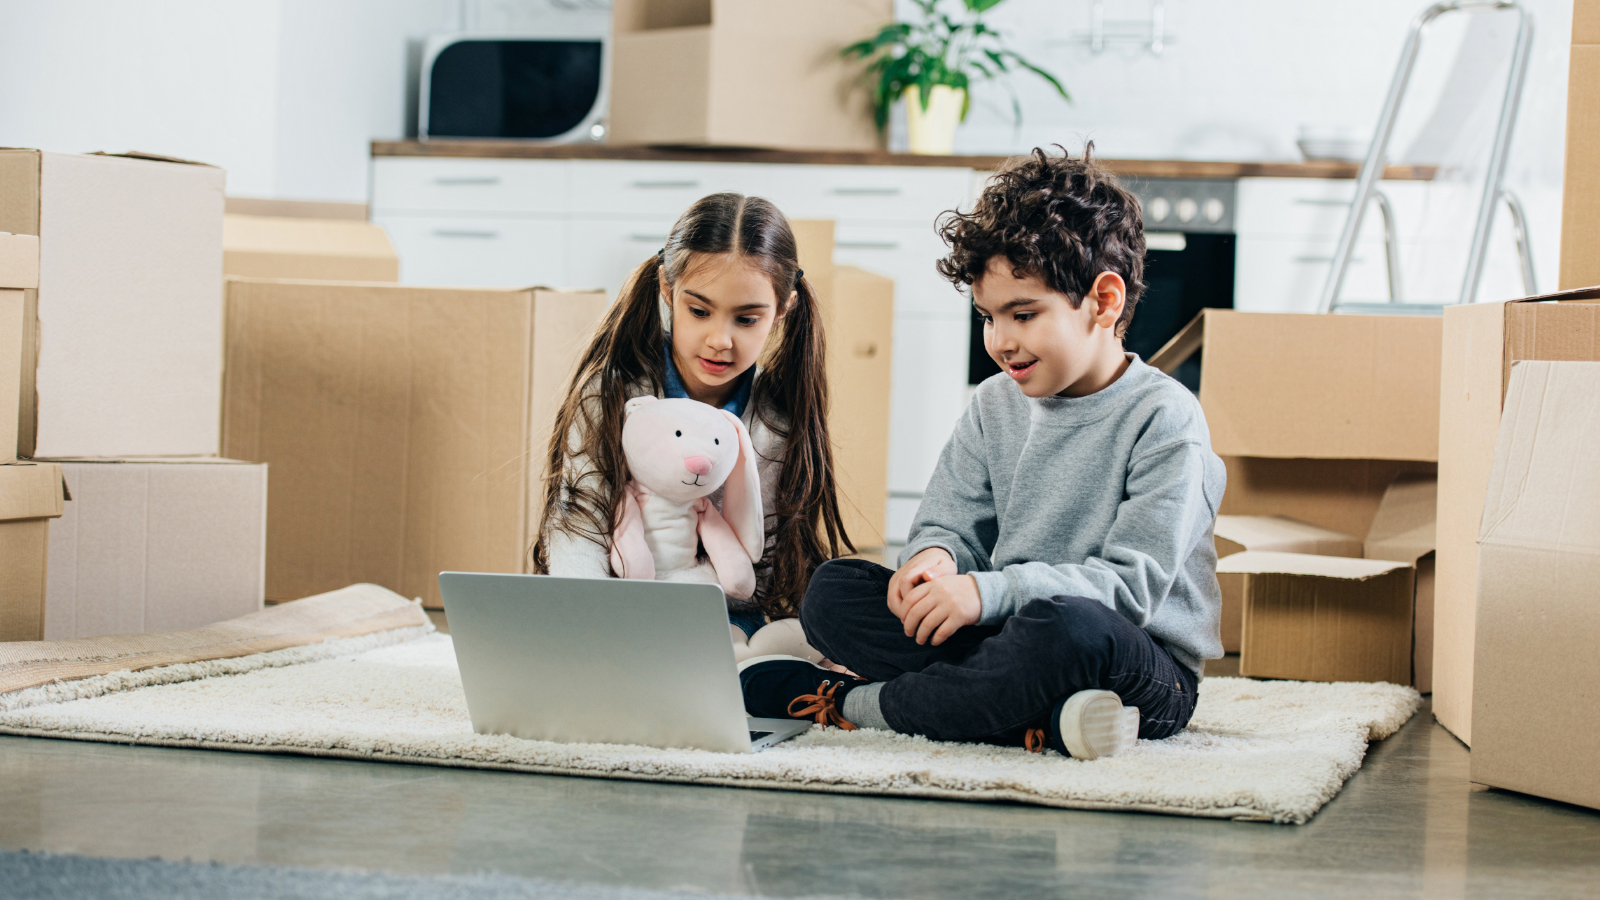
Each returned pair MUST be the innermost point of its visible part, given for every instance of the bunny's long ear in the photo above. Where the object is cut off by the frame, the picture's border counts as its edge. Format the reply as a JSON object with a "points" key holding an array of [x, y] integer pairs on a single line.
{"points": [[741, 496]]}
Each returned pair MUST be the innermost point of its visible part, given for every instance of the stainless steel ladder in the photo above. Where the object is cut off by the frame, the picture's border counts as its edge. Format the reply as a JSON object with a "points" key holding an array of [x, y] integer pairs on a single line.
{"points": [[1494, 191]]}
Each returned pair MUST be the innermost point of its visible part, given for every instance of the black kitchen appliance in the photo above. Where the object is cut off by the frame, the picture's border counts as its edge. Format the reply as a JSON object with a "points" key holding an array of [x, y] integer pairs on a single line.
{"points": [[542, 89]]}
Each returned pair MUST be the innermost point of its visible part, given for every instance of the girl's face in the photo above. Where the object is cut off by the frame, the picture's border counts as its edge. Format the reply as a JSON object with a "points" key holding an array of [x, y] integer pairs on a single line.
{"points": [[722, 311]]}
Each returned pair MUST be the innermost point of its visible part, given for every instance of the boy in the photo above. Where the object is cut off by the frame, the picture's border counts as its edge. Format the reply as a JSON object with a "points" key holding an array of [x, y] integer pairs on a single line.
{"points": [[1061, 564]]}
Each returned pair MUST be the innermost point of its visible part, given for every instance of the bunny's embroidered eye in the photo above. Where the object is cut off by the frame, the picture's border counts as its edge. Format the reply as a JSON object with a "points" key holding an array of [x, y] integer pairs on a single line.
{"points": [[678, 433], [716, 441]]}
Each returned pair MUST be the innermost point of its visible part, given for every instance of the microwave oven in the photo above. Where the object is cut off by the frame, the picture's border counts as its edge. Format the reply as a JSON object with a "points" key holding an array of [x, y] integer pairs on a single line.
{"points": [[544, 89]]}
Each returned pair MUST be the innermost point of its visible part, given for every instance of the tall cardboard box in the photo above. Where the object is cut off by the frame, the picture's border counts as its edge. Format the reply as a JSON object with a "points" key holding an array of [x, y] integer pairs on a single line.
{"points": [[303, 247], [860, 335], [19, 280], [1482, 342], [156, 545], [742, 73], [31, 494], [1341, 616], [406, 427], [1536, 682], [127, 359]]}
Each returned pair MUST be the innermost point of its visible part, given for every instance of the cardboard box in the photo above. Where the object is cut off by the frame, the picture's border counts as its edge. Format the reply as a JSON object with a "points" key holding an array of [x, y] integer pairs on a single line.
{"points": [[1534, 685], [19, 281], [1580, 202], [741, 73], [1482, 341], [406, 427], [1288, 601], [296, 209], [1324, 618], [860, 338], [156, 545], [1237, 534], [328, 249], [1296, 385], [31, 494], [130, 256]]}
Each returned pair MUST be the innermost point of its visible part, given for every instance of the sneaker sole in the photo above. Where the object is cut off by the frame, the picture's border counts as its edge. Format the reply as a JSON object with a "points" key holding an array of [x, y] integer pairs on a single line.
{"points": [[1095, 724]]}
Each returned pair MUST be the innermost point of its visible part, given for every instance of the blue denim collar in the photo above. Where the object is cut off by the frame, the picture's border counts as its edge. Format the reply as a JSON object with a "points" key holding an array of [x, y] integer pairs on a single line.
{"points": [[736, 403]]}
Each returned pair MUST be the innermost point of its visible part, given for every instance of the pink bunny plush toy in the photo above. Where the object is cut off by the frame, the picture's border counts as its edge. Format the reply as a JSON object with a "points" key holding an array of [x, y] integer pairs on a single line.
{"points": [[679, 452]]}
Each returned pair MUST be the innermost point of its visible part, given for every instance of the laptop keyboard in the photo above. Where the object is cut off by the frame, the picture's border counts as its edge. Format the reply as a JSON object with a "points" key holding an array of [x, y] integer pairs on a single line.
{"points": [[758, 735]]}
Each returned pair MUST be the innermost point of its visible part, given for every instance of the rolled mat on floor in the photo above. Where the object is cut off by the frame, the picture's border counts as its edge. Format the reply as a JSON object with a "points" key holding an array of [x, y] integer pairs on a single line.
{"points": [[358, 674]]}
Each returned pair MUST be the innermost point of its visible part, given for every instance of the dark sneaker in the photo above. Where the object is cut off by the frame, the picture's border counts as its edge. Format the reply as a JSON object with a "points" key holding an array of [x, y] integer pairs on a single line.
{"points": [[787, 687], [1087, 725]]}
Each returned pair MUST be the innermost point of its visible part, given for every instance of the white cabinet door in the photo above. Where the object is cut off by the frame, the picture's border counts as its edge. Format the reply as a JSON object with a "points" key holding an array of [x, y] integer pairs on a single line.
{"points": [[908, 254], [629, 188], [493, 186], [1288, 274], [909, 194], [604, 253], [477, 250]]}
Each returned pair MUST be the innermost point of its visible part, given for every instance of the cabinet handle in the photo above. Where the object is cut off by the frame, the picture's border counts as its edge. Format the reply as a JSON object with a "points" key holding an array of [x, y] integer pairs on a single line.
{"points": [[666, 184], [1322, 201], [451, 181], [866, 192], [464, 233], [867, 245], [648, 238], [1325, 259]]}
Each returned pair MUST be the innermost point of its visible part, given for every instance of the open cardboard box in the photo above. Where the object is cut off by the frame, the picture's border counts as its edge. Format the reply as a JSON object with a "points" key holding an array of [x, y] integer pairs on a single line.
{"points": [[291, 239], [1538, 618], [31, 494], [1345, 617], [1281, 534]]}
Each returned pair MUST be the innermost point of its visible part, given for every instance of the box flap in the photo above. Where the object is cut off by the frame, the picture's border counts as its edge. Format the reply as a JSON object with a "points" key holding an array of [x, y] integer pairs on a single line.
{"points": [[319, 237], [1544, 487], [1183, 345], [1261, 562], [19, 261], [1282, 533], [31, 490], [1405, 525], [1296, 385], [151, 157]]}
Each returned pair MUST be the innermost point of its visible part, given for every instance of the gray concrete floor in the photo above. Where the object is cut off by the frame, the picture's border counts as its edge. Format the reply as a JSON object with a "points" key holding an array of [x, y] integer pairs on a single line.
{"points": [[1408, 824]]}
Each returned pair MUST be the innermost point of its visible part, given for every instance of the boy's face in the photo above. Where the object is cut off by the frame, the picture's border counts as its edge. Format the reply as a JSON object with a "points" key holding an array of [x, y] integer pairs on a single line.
{"points": [[1041, 341]]}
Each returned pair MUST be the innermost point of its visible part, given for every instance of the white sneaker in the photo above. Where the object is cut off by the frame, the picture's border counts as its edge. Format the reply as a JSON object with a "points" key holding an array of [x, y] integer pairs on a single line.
{"points": [[1094, 724]]}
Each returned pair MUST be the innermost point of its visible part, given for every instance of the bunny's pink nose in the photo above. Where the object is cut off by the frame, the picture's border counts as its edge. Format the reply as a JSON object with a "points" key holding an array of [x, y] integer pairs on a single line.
{"points": [[699, 465]]}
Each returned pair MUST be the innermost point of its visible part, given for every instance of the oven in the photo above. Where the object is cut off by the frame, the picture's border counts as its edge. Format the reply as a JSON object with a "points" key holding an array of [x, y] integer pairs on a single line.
{"points": [[1188, 266]]}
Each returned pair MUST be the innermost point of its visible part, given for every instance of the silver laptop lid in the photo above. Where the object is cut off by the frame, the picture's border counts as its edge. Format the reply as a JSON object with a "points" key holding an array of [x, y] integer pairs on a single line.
{"points": [[610, 660]]}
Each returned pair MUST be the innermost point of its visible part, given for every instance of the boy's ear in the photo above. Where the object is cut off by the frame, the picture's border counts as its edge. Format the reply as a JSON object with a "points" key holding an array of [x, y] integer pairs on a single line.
{"points": [[1108, 293]]}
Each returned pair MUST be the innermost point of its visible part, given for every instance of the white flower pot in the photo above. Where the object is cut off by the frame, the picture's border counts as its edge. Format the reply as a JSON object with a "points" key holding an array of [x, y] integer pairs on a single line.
{"points": [[933, 130]]}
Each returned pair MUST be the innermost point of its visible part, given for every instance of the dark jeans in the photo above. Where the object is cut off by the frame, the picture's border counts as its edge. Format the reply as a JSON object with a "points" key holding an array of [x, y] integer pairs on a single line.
{"points": [[987, 682]]}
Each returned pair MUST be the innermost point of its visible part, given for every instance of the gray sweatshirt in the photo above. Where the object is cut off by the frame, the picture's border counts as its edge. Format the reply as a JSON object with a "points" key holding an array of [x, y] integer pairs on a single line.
{"points": [[1111, 496]]}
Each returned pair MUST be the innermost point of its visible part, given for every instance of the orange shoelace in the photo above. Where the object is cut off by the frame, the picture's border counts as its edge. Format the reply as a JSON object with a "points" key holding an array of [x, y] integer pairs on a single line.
{"points": [[1034, 740], [822, 705]]}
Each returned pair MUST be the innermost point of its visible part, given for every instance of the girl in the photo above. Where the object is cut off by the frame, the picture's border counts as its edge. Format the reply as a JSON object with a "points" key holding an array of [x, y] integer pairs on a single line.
{"points": [[724, 293]]}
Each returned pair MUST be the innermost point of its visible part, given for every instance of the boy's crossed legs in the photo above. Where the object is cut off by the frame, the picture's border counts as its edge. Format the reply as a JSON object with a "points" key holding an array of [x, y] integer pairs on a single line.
{"points": [[988, 683]]}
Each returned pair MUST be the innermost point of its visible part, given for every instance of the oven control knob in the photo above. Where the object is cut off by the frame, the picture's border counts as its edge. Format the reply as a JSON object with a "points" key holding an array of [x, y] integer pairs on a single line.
{"points": [[1187, 209], [1213, 209], [1160, 208]]}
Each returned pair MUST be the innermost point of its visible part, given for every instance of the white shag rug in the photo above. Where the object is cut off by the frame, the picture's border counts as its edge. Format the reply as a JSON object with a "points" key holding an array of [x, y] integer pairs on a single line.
{"points": [[1267, 751]]}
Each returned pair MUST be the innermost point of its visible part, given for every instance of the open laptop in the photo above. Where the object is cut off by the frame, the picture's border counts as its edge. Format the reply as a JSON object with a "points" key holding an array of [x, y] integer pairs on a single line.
{"points": [[602, 660]]}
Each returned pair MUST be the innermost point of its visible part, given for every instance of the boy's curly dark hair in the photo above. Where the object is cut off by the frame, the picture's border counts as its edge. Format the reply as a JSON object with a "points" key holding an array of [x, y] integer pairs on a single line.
{"points": [[1061, 219]]}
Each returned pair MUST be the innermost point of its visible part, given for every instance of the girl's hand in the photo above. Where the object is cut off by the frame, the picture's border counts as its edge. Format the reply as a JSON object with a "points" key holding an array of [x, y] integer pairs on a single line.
{"points": [[938, 609], [934, 562]]}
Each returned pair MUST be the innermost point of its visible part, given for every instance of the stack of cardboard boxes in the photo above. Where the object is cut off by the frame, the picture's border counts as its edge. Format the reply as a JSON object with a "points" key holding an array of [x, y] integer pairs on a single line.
{"points": [[112, 378]]}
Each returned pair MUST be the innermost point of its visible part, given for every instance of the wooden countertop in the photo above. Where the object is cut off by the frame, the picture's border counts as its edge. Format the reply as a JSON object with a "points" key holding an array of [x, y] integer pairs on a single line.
{"points": [[1136, 168]]}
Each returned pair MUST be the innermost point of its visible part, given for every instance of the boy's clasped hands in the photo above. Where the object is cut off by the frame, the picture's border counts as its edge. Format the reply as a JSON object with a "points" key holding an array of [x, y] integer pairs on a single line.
{"points": [[932, 599]]}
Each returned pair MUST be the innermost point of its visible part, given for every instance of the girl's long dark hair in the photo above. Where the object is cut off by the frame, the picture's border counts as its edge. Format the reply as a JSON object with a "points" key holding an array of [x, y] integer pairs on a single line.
{"points": [[790, 394]]}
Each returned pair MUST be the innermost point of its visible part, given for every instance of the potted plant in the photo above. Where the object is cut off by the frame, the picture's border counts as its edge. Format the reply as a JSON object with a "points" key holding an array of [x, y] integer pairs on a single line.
{"points": [[932, 63]]}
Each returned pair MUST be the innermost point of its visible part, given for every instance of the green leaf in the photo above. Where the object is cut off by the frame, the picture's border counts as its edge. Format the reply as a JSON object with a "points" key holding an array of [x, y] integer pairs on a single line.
{"points": [[1060, 89], [982, 6]]}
